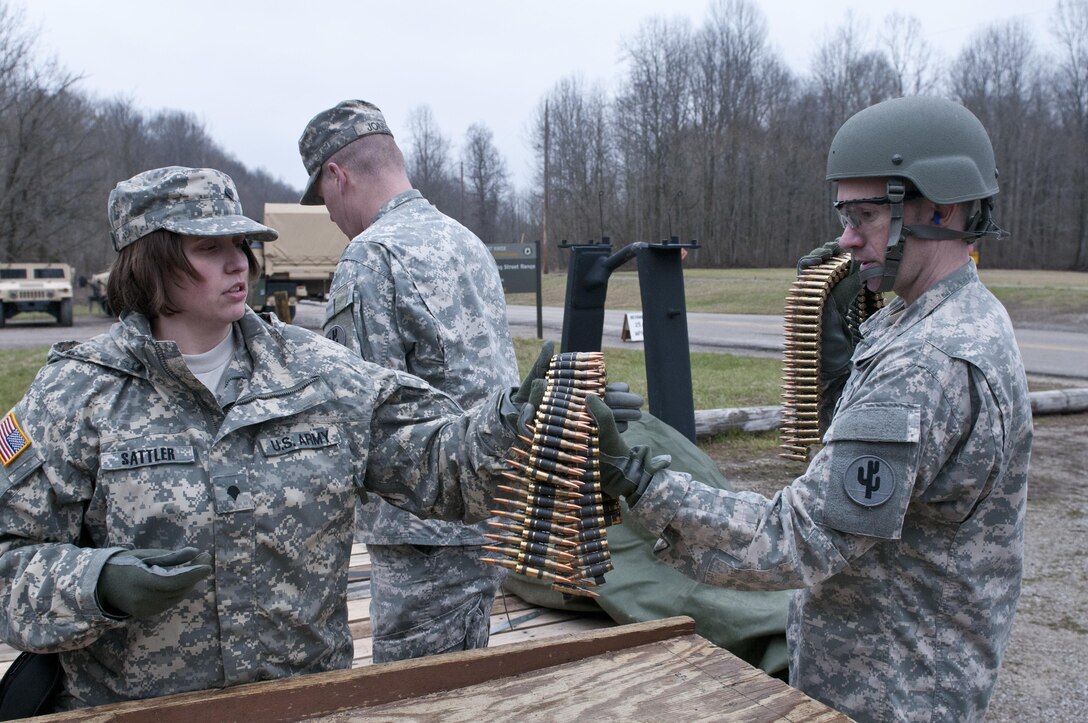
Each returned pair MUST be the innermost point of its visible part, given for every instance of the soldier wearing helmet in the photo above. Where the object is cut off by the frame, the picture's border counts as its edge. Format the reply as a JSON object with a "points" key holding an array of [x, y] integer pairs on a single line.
{"points": [[904, 536], [929, 163]]}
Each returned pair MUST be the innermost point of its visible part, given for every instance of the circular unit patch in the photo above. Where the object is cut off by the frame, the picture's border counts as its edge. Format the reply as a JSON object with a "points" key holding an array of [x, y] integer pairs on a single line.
{"points": [[869, 481], [336, 333]]}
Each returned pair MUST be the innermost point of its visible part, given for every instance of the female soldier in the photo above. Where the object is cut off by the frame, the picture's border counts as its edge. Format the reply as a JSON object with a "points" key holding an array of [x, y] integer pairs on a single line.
{"points": [[176, 500]]}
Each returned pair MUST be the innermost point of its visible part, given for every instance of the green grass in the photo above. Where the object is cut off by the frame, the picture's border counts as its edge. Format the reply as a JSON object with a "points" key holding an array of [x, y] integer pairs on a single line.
{"points": [[20, 367], [1032, 294], [718, 380]]}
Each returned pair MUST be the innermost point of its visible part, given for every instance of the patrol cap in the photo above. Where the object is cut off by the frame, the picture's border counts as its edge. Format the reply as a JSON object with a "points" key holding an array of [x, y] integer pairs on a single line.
{"points": [[192, 201], [329, 131]]}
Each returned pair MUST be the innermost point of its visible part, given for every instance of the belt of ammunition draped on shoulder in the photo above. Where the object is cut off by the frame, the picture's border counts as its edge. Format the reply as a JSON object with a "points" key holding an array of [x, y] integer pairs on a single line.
{"points": [[553, 517], [803, 319]]}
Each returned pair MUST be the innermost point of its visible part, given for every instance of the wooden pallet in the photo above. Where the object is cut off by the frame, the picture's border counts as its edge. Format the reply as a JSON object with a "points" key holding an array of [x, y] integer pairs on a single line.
{"points": [[512, 619], [659, 670]]}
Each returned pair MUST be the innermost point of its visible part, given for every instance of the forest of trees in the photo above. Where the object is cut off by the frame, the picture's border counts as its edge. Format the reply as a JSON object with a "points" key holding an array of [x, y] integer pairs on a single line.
{"points": [[707, 135]]}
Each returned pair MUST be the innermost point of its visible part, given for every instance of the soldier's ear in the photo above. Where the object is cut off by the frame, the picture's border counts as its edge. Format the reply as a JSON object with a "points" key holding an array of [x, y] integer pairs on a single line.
{"points": [[942, 213]]}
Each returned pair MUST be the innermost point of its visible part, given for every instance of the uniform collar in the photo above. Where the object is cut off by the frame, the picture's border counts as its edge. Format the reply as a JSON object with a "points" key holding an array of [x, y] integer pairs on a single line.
{"points": [[398, 200], [877, 332], [130, 348]]}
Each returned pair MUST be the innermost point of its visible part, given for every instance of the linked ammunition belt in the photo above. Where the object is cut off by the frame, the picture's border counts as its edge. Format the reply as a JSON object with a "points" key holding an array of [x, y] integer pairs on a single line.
{"points": [[552, 517], [801, 393]]}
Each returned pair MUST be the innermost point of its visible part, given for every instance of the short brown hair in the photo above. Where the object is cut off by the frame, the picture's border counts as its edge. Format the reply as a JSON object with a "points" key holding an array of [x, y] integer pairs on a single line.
{"points": [[137, 280]]}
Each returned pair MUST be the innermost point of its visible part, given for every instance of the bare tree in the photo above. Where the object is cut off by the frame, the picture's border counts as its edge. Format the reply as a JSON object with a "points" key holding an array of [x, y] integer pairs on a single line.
{"points": [[1070, 29], [737, 85], [914, 62], [486, 178], [847, 76], [653, 112], [43, 147], [582, 165], [428, 159], [997, 76]]}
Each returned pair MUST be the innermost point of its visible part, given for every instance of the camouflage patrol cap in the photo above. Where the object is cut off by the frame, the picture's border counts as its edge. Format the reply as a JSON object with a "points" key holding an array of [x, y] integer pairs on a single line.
{"points": [[192, 201], [329, 131]]}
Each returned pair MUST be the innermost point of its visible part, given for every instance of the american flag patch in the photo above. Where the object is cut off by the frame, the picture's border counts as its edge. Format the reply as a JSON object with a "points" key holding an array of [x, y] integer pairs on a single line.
{"points": [[12, 439]]}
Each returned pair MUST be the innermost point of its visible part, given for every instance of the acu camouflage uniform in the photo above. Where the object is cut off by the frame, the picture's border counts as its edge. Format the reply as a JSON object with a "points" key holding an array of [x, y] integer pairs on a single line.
{"points": [[906, 531], [129, 450], [419, 292]]}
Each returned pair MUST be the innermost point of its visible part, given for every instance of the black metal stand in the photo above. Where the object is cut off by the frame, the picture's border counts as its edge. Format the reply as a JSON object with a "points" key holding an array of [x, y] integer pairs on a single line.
{"points": [[664, 318]]}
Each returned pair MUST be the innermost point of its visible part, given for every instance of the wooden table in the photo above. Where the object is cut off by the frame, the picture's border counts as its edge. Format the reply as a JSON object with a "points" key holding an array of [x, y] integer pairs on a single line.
{"points": [[655, 671]]}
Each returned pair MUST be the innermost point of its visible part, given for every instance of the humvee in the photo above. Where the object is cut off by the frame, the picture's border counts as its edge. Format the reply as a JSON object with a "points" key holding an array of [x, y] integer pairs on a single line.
{"points": [[36, 287]]}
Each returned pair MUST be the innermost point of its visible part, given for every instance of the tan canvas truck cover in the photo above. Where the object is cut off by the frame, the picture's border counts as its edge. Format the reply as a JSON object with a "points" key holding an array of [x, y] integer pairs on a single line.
{"points": [[309, 245]]}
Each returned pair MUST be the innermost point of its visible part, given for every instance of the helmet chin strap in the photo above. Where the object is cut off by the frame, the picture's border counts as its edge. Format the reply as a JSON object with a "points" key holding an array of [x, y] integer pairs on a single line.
{"points": [[896, 236], [980, 225]]}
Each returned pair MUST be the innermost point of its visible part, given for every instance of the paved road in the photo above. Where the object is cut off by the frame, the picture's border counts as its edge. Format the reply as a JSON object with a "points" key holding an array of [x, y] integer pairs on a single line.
{"points": [[1046, 352]]}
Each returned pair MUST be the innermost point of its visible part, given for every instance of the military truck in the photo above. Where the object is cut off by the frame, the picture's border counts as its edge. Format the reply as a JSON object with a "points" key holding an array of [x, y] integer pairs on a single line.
{"points": [[302, 260], [97, 292], [26, 287]]}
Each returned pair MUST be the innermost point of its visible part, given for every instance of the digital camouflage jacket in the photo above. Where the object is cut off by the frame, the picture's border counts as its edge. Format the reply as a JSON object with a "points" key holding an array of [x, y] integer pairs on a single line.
{"points": [[419, 292], [126, 449], [906, 532]]}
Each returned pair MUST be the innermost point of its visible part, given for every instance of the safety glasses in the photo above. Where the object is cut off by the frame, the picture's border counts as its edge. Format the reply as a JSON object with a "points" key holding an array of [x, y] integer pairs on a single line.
{"points": [[859, 213]]}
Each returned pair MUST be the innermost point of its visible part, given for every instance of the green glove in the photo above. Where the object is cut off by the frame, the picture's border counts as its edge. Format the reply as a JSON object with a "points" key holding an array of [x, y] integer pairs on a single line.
{"points": [[837, 341], [625, 472], [538, 370], [626, 406], [518, 408], [819, 255], [142, 583]]}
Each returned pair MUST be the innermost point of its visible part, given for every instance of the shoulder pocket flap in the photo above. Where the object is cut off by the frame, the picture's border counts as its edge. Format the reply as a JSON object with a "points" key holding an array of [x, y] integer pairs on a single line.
{"points": [[876, 423], [20, 469], [340, 298]]}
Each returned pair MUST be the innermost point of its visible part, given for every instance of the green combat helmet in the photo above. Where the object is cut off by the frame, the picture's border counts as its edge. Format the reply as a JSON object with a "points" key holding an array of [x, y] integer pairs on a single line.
{"points": [[937, 145]]}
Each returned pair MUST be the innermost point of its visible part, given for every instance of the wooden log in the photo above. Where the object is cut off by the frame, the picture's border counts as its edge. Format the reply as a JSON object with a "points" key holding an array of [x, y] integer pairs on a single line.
{"points": [[709, 422], [1059, 401]]}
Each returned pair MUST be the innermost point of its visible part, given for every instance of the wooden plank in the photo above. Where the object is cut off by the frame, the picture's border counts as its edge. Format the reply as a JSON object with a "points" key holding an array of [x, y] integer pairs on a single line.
{"points": [[682, 678], [294, 698], [543, 624], [554, 629]]}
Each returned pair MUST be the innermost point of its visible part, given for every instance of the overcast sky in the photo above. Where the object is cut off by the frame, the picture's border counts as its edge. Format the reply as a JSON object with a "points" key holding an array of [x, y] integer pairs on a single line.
{"points": [[255, 71]]}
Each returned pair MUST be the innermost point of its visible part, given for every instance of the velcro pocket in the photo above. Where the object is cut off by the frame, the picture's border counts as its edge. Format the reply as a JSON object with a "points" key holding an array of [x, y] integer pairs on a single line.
{"points": [[20, 469], [339, 324], [871, 452]]}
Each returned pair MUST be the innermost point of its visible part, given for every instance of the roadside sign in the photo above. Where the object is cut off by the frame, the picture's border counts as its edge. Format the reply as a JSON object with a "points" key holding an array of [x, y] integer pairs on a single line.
{"points": [[632, 326], [517, 266]]}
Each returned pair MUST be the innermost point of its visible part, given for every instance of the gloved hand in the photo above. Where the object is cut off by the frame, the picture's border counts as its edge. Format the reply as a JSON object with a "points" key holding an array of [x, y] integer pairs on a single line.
{"points": [[145, 582], [836, 341], [819, 255], [538, 370], [526, 398], [626, 406], [625, 471]]}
